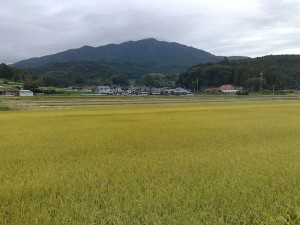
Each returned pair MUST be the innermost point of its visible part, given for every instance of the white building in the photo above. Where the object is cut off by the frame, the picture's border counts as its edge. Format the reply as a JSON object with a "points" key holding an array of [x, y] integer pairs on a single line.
{"points": [[103, 90], [25, 93], [228, 88], [178, 91]]}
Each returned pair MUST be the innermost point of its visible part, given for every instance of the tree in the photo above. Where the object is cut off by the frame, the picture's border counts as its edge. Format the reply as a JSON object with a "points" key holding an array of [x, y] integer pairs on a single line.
{"points": [[79, 81], [254, 83], [189, 80], [120, 79], [34, 86], [50, 82], [6, 72], [151, 80]]}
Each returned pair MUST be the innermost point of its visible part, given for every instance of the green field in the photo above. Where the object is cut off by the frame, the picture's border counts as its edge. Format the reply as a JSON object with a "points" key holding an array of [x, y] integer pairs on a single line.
{"points": [[221, 163]]}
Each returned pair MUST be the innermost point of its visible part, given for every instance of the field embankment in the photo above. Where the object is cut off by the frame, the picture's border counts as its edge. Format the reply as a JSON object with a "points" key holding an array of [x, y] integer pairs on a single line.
{"points": [[193, 164], [53, 102], [3, 107]]}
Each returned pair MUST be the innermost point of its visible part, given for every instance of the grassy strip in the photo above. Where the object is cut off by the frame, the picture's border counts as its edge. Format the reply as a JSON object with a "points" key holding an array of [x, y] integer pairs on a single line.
{"points": [[3, 107]]}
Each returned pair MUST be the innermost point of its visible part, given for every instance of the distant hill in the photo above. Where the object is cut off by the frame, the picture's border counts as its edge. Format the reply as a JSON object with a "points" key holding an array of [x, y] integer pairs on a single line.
{"points": [[147, 50], [132, 59], [100, 72], [279, 72]]}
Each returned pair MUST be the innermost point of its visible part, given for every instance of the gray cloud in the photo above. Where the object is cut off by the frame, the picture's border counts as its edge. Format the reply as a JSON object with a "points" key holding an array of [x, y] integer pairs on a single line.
{"points": [[32, 28]]}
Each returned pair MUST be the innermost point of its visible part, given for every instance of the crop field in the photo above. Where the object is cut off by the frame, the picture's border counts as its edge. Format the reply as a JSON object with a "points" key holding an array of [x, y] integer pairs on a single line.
{"points": [[222, 163]]}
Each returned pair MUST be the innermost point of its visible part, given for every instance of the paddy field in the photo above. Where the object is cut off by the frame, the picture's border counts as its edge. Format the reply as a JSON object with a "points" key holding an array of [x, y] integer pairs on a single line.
{"points": [[162, 163]]}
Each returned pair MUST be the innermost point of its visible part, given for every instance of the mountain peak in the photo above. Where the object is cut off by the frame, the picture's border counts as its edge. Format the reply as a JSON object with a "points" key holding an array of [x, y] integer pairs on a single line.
{"points": [[145, 50]]}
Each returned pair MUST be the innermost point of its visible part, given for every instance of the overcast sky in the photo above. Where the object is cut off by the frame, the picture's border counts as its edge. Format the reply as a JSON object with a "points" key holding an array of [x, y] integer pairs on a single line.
{"points": [[33, 28]]}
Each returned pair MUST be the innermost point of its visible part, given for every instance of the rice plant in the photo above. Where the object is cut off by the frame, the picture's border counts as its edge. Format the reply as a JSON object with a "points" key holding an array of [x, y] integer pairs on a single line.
{"points": [[209, 164]]}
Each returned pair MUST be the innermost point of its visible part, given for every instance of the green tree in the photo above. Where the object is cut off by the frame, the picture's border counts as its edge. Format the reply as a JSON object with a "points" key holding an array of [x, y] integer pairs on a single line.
{"points": [[6, 71], [50, 82], [152, 80], [80, 81], [254, 83], [120, 79], [34, 86]]}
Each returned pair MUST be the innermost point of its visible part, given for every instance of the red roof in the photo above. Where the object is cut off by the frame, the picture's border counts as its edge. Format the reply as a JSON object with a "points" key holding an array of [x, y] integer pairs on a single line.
{"points": [[227, 87], [9, 89], [212, 89]]}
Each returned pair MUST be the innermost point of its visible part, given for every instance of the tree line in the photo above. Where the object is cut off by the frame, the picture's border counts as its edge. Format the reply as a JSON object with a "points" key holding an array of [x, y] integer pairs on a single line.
{"points": [[81, 74], [12, 74], [279, 71]]}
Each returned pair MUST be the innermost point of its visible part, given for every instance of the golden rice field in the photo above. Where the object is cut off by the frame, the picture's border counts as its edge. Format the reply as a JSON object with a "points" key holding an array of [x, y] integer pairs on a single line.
{"points": [[229, 163]]}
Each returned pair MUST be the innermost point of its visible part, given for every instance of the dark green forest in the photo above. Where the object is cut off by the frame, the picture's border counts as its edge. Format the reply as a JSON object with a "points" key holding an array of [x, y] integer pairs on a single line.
{"points": [[282, 71], [99, 73], [278, 71], [12, 74]]}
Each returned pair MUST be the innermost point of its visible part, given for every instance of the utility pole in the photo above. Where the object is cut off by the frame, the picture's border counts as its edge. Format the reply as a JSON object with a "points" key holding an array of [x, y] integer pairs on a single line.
{"points": [[41, 83], [261, 74], [197, 85]]}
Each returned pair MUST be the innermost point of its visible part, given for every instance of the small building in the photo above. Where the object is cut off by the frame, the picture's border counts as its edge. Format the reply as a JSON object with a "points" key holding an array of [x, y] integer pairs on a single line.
{"points": [[26, 93], [178, 91], [9, 91], [228, 88], [156, 91], [212, 90], [106, 90]]}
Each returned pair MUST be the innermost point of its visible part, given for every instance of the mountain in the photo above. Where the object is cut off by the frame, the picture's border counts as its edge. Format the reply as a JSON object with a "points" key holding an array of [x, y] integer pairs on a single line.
{"points": [[147, 50]]}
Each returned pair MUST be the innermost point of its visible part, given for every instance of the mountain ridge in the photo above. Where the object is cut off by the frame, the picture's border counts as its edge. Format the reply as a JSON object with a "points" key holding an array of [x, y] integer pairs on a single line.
{"points": [[145, 50]]}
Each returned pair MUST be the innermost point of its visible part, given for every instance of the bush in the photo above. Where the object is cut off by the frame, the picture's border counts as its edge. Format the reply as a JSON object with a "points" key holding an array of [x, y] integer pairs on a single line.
{"points": [[3, 107], [242, 92], [48, 91], [267, 92], [280, 92]]}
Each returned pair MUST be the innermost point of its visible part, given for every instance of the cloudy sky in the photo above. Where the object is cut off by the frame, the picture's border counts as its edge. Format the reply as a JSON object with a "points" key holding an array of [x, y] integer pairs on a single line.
{"points": [[31, 28]]}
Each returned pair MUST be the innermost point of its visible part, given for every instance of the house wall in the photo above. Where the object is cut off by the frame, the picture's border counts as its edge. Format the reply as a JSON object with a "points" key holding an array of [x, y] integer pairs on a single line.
{"points": [[229, 91], [10, 93], [26, 93]]}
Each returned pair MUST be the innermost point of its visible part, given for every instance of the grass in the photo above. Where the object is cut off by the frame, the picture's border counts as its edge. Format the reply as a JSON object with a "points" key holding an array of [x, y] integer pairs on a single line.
{"points": [[77, 101], [3, 107], [198, 164]]}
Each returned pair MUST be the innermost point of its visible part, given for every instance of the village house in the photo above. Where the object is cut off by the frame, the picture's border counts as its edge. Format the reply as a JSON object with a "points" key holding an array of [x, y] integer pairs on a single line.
{"points": [[178, 91], [25, 93], [142, 91], [212, 90], [228, 88], [9, 91], [157, 91], [105, 90]]}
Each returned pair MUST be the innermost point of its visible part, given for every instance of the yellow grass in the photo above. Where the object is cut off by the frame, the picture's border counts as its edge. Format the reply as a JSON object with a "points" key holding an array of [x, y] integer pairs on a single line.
{"points": [[209, 164]]}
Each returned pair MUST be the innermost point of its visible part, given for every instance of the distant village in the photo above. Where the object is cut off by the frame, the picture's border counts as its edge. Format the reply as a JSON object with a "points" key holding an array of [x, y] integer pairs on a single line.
{"points": [[141, 91], [107, 90], [132, 90]]}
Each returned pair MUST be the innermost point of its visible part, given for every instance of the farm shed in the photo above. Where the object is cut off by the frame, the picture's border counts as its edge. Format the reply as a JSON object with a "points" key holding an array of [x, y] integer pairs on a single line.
{"points": [[9, 91], [228, 88], [26, 93], [212, 90], [103, 90]]}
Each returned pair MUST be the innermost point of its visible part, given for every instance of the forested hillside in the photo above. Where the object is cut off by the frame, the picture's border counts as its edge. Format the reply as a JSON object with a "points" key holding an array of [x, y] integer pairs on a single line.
{"points": [[100, 65], [278, 71], [282, 71], [147, 50], [98, 73], [11, 73]]}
